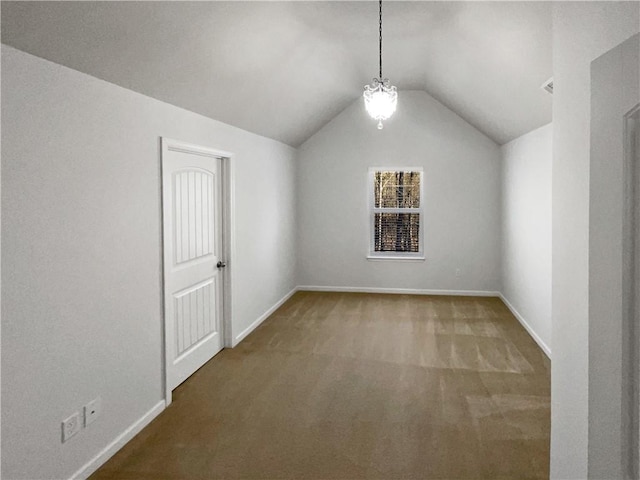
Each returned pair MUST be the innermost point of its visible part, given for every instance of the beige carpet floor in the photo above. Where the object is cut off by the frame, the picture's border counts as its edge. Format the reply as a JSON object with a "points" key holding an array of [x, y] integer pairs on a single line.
{"points": [[359, 386]]}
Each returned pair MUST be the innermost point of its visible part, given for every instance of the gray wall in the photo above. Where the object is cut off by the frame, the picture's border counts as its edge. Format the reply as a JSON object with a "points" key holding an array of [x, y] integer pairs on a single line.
{"points": [[81, 297], [461, 204], [582, 31], [526, 230]]}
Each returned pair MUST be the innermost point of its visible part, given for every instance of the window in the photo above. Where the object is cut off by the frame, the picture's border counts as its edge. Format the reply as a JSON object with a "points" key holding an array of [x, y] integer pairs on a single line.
{"points": [[395, 208]]}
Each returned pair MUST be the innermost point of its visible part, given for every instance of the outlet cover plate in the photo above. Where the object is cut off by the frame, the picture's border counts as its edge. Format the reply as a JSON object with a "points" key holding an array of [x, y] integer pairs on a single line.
{"points": [[92, 411], [70, 426]]}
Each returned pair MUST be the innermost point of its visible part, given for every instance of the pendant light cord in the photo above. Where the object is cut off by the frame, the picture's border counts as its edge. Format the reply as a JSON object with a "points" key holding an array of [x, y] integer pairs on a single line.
{"points": [[380, 40]]}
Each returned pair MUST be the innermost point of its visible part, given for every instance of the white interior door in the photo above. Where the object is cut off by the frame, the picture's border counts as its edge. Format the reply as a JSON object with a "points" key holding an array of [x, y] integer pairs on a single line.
{"points": [[193, 296]]}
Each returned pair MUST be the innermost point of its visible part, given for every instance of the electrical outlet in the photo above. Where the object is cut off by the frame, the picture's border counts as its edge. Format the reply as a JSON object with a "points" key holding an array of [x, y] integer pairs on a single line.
{"points": [[70, 426], [92, 411], [457, 273]]}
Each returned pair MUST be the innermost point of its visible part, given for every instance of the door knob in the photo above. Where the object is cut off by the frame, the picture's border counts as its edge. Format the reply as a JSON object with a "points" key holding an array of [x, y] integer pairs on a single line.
{"points": [[221, 264]]}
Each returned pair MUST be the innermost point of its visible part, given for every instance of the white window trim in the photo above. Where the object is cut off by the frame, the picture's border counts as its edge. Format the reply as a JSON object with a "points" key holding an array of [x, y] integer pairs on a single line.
{"points": [[394, 256]]}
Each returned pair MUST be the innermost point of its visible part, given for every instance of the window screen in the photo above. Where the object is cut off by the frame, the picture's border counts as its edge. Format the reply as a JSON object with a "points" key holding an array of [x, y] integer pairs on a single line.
{"points": [[396, 212]]}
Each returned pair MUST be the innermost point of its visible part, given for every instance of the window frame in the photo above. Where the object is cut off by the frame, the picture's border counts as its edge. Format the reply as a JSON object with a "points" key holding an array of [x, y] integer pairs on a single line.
{"points": [[372, 210]]}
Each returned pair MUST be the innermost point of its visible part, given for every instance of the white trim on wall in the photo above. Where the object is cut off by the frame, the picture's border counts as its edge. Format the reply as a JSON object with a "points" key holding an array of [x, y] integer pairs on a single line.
{"points": [[401, 291], [228, 242], [110, 450], [545, 348], [242, 335]]}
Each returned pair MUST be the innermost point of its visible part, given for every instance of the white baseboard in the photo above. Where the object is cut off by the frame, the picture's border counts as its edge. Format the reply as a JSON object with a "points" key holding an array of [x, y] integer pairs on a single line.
{"points": [[402, 291], [262, 318], [111, 449], [545, 348]]}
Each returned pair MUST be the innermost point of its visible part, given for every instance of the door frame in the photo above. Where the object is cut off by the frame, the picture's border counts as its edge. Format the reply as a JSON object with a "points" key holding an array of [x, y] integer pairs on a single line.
{"points": [[611, 439], [631, 281], [227, 224]]}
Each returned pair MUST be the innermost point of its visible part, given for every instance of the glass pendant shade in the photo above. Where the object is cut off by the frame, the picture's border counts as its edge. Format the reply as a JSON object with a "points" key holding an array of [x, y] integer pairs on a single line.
{"points": [[380, 100]]}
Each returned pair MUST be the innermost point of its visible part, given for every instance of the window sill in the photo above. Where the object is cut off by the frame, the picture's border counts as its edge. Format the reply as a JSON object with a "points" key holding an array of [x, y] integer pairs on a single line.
{"points": [[386, 258]]}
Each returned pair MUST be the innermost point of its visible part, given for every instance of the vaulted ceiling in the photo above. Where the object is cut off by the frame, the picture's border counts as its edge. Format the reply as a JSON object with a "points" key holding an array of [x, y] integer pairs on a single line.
{"points": [[284, 69]]}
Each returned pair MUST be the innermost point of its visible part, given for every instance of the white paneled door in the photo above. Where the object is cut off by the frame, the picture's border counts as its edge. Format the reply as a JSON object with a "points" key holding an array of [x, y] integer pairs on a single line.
{"points": [[193, 261]]}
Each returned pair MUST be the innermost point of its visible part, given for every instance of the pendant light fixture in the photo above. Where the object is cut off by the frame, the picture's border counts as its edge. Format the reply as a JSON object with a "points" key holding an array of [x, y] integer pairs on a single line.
{"points": [[380, 98]]}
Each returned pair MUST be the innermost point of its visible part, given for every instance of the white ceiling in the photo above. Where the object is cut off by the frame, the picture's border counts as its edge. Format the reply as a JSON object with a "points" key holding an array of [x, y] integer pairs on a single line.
{"points": [[284, 69]]}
